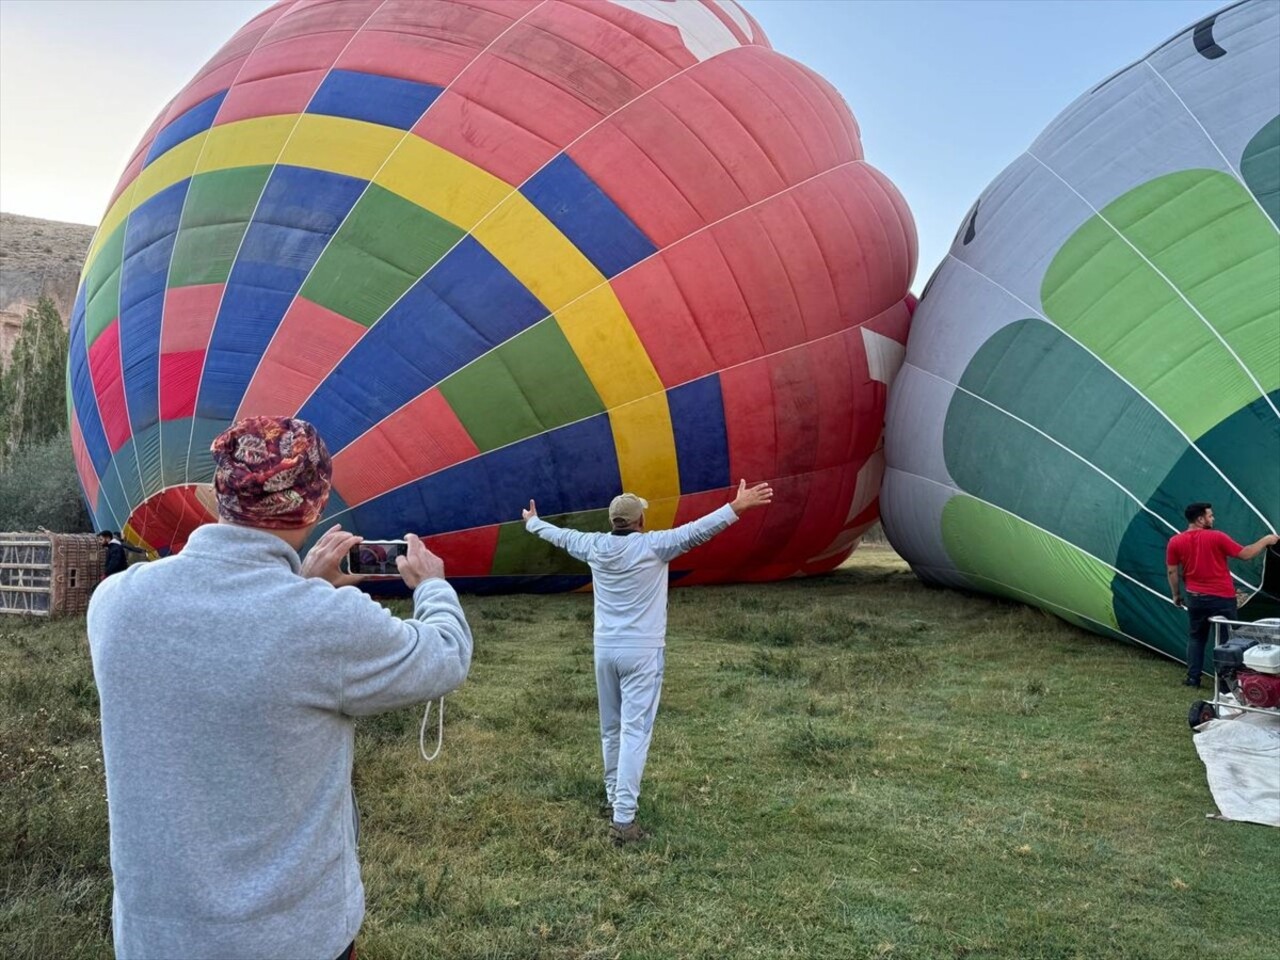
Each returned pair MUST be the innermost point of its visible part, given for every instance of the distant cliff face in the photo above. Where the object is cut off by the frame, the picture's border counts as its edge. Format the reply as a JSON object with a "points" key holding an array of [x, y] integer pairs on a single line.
{"points": [[37, 258]]}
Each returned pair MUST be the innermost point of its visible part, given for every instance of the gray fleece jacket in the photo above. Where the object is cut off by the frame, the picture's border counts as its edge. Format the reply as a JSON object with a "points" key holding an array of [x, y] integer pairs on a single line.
{"points": [[228, 685], [629, 573]]}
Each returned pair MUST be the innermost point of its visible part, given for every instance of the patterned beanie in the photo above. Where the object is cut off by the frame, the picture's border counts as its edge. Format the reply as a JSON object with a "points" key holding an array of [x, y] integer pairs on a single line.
{"points": [[272, 472]]}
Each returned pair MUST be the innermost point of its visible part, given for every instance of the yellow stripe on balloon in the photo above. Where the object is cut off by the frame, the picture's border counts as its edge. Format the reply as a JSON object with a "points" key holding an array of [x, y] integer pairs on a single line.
{"points": [[645, 442], [247, 143], [536, 252], [601, 335], [173, 167], [421, 172], [619, 367], [442, 182], [352, 148], [511, 228], [596, 326]]}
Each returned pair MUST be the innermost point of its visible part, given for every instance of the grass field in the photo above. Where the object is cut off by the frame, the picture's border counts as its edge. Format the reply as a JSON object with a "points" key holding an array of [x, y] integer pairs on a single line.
{"points": [[851, 766]]}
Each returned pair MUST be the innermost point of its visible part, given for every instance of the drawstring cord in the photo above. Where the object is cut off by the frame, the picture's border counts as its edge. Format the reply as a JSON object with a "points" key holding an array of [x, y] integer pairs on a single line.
{"points": [[422, 732]]}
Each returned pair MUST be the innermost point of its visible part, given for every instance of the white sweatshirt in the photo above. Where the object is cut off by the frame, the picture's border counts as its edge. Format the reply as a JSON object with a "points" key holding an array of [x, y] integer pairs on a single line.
{"points": [[629, 573]]}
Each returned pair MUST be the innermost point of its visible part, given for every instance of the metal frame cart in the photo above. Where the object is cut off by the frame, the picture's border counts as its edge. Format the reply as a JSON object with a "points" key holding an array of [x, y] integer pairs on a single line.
{"points": [[1224, 630]]}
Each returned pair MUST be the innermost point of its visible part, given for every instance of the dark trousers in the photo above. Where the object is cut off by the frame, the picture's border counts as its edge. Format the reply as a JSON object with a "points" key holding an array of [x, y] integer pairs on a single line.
{"points": [[349, 953], [1200, 607]]}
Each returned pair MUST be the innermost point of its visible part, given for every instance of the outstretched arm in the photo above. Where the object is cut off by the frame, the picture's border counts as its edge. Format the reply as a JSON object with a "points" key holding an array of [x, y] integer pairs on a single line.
{"points": [[573, 542], [669, 544], [1255, 548]]}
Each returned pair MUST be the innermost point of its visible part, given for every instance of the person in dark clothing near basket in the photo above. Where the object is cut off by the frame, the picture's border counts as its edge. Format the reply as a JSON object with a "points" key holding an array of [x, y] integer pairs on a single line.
{"points": [[115, 547], [1201, 553]]}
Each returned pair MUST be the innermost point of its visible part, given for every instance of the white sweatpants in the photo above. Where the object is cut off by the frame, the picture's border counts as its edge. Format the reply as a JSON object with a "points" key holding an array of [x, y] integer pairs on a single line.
{"points": [[628, 685]]}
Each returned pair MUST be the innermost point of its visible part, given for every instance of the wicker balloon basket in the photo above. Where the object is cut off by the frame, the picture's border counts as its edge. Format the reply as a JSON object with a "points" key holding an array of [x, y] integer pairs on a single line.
{"points": [[48, 574]]}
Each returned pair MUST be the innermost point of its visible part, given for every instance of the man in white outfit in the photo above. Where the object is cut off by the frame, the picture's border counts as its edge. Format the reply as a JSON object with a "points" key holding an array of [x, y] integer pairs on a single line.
{"points": [[629, 577]]}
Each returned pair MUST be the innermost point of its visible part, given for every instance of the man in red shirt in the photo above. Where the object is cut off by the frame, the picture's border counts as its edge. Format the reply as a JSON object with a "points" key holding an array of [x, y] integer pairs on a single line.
{"points": [[1202, 553]]}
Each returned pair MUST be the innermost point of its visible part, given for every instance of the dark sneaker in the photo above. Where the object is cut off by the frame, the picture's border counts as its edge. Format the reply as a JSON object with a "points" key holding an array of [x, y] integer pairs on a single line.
{"points": [[1191, 683], [624, 833], [606, 812]]}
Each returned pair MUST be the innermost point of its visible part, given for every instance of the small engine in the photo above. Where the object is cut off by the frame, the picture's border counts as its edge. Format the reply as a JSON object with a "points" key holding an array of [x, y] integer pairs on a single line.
{"points": [[1257, 689], [1250, 671]]}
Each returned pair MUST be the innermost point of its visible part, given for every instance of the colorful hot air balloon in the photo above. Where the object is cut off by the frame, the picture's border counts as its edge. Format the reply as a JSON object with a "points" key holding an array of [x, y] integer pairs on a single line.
{"points": [[496, 250], [1101, 345]]}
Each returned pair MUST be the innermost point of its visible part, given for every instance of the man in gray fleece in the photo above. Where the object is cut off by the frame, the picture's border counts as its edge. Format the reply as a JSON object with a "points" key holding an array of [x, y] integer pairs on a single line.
{"points": [[230, 676], [629, 578]]}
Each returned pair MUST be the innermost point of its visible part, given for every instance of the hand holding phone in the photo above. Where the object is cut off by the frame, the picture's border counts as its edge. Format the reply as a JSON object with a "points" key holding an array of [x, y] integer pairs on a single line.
{"points": [[419, 563], [375, 558], [326, 558], [382, 559]]}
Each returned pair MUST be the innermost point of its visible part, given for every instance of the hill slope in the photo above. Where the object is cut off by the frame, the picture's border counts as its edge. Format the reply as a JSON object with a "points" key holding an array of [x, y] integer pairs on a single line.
{"points": [[37, 258]]}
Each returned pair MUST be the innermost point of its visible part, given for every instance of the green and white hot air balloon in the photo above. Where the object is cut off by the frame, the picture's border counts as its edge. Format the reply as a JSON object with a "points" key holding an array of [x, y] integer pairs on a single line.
{"points": [[1101, 346]]}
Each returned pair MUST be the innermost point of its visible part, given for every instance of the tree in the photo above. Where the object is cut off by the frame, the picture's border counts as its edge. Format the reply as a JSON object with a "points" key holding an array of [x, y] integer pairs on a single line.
{"points": [[39, 488], [33, 387]]}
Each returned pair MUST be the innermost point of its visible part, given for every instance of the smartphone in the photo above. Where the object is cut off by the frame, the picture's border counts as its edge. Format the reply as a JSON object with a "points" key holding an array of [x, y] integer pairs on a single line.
{"points": [[375, 558]]}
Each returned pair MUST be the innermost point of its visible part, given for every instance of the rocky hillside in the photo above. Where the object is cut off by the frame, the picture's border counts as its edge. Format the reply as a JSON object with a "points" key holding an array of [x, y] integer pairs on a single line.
{"points": [[37, 258]]}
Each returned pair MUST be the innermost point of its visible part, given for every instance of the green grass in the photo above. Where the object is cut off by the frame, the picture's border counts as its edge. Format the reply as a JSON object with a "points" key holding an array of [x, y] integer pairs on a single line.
{"points": [[850, 766]]}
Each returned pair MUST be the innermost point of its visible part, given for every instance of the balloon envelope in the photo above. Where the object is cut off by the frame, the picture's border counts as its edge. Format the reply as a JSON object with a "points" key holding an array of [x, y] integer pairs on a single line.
{"points": [[496, 251], [1101, 346]]}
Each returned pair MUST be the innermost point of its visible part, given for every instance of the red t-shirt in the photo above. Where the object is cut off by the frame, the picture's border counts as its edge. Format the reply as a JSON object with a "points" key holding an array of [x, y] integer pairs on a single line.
{"points": [[1202, 555]]}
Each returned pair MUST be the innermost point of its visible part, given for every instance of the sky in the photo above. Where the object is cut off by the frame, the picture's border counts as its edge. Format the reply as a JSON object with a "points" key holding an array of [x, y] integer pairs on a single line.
{"points": [[947, 92]]}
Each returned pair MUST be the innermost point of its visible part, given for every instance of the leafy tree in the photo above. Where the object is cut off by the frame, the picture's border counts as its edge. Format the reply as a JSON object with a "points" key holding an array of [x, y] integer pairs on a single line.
{"points": [[39, 488], [33, 387]]}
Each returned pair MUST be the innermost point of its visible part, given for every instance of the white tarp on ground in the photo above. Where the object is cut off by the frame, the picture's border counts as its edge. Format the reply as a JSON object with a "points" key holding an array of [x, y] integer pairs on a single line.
{"points": [[1242, 759]]}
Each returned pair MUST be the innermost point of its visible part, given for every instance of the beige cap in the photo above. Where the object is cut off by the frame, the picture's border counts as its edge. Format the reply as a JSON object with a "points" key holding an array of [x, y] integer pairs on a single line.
{"points": [[628, 508]]}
